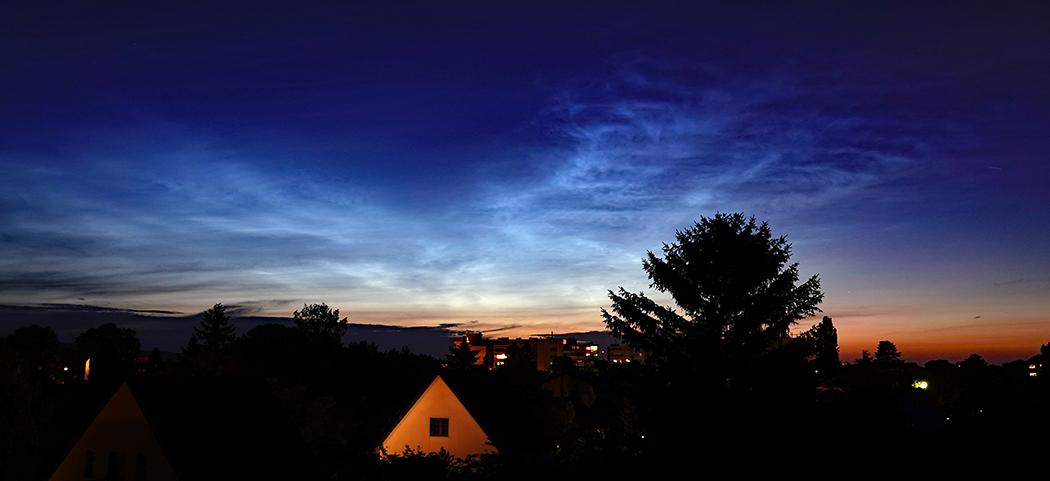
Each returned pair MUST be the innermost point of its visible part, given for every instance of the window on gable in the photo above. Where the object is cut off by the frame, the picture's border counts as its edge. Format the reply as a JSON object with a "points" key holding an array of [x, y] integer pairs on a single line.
{"points": [[89, 464], [140, 468], [439, 427], [113, 471]]}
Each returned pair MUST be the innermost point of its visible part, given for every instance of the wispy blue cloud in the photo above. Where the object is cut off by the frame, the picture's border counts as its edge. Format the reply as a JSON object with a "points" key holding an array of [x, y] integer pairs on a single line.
{"points": [[631, 157], [406, 182]]}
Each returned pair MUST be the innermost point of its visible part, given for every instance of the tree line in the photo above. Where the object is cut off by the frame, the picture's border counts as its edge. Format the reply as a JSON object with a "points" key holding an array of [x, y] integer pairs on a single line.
{"points": [[722, 372]]}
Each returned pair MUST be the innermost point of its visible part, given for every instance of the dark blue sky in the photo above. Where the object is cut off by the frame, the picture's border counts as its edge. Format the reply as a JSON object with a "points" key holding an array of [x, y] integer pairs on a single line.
{"points": [[417, 163]]}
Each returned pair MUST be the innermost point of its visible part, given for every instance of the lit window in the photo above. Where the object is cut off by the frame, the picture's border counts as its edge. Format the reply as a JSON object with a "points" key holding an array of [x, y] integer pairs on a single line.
{"points": [[439, 427]]}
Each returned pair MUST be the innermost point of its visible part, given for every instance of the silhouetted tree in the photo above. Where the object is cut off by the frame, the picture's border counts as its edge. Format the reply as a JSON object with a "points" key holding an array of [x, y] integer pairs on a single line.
{"points": [[34, 342], [938, 364], [824, 343], [155, 357], [274, 350], [113, 351], [865, 357], [974, 362], [563, 365], [521, 357], [977, 385], [887, 353], [418, 464], [156, 361], [314, 417], [736, 298], [943, 378], [520, 366], [210, 347], [461, 357], [216, 330], [21, 415], [38, 347], [320, 324]]}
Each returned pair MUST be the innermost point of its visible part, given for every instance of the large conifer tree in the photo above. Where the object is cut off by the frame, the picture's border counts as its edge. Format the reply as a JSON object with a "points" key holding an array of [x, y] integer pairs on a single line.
{"points": [[735, 295], [216, 330], [210, 348]]}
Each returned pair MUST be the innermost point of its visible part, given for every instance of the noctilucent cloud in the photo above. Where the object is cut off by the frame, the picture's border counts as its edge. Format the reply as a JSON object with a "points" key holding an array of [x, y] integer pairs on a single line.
{"points": [[420, 163]]}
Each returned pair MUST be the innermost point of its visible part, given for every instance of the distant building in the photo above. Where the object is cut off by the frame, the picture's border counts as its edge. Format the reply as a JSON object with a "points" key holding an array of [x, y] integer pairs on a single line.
{"points": [[620, 354], [492, 353], [547, 350], [582, 353], [1035, 366]]}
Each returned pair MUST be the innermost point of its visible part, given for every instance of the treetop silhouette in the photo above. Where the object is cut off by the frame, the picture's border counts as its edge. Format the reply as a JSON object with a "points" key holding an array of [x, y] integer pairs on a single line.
{"points": [[887, 353], [320, 324], [461, 357], [210, 348], [735, 296], [216, 330]]}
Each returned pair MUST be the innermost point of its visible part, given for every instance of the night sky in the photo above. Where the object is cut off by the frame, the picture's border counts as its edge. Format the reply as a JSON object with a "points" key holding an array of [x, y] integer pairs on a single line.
{"points": [[501, 165]]}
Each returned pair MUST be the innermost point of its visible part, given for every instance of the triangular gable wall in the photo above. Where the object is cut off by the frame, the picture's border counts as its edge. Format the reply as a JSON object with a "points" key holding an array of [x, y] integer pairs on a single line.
{"points": [[120, 428], [465, 436]]}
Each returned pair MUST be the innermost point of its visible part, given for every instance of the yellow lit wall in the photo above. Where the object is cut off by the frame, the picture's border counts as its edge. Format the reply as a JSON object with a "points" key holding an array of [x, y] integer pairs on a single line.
{"points": [[465, 436]]}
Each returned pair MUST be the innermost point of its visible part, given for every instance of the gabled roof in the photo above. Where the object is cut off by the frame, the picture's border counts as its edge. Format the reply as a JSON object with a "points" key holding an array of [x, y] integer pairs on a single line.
{"points": [[464, 435], [400, 415], [212, 428], [503, 416]]}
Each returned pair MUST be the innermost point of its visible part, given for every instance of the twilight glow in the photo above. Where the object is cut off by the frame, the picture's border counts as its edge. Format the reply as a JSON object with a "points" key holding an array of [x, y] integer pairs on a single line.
{"points": [[424, 163]]}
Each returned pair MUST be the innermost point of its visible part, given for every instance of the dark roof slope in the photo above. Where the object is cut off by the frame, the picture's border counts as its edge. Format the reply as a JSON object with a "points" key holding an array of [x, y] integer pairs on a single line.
{"points": [[228, 427]]}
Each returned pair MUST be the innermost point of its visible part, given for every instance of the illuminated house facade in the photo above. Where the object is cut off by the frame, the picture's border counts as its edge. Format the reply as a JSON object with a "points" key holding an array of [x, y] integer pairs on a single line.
{"points": [[437, 419]]}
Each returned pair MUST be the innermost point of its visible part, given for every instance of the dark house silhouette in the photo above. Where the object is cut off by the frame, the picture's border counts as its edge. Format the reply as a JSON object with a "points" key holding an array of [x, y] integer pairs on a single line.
{"points": [[189, 429]]}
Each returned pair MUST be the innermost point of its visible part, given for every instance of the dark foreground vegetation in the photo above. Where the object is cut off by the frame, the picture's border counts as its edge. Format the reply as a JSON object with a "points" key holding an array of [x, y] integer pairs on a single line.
{"points": [[723, 391]]}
